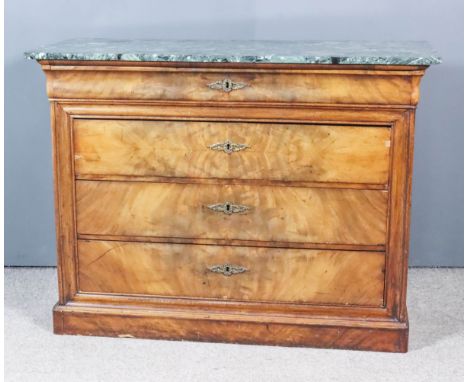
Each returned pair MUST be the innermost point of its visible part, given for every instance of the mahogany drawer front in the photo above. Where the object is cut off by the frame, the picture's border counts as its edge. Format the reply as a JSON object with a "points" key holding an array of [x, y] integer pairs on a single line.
{"points": [[284, 152], [233, 273], [259, 213], [352, 87]]}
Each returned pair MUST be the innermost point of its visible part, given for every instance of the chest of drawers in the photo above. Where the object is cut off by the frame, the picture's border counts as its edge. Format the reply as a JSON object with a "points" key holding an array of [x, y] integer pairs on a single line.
{"points": [[264, 200]]}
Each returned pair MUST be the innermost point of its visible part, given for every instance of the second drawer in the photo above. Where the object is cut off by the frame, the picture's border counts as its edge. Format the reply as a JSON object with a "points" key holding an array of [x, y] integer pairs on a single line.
{"points": [[242, 212]]}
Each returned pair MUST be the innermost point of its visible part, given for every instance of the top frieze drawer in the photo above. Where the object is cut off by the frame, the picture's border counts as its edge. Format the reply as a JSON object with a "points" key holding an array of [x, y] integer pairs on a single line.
{"points": [[317, 86]]}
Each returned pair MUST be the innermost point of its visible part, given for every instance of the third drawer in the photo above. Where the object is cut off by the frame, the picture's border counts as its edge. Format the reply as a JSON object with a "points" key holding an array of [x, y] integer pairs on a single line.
{"points": [[232, 212]]}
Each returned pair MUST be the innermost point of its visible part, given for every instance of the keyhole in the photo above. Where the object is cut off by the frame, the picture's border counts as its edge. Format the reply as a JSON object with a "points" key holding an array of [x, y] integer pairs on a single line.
{"points": [[228, 146], [228, 207], [227, 269]]}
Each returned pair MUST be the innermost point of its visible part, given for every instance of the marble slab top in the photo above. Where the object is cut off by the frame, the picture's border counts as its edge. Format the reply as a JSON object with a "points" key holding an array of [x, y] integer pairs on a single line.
{"points": [[277, 52]]}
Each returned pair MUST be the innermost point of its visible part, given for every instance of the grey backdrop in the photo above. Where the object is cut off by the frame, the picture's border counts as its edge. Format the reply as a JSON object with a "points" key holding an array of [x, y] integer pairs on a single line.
{"points": [[437, 218]]}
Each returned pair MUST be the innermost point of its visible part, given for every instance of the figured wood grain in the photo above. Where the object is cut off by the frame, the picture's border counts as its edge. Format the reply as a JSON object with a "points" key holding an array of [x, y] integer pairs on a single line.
{"points": [[294, 275], [355, 96], [276, 213], [343, 87], [395, 276], [287, 152]]}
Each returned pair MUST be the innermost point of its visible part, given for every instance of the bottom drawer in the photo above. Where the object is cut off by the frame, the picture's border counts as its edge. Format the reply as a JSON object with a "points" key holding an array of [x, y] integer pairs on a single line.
{"points": [[234, 273]]}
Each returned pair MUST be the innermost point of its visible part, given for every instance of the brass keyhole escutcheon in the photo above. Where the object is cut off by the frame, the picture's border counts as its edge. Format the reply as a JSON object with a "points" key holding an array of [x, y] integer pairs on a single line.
{"points": [[229, 208], [228, 147], [226, 85], [227, 269]]}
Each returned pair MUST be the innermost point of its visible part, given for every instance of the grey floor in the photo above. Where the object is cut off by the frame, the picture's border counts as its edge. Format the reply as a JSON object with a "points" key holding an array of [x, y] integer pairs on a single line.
{"points": [[33, 353]]}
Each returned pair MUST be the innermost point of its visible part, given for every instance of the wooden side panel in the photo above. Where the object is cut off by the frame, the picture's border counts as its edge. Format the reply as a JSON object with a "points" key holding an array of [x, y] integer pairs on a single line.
{"points": [[344, 87], [400, 204], [64, 187], [290, 214], [269, 274], [286, 152]]}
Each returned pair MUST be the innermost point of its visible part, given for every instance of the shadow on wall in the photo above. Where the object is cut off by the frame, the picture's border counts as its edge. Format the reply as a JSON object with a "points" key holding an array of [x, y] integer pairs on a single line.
{"points": [[437, 217]]}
